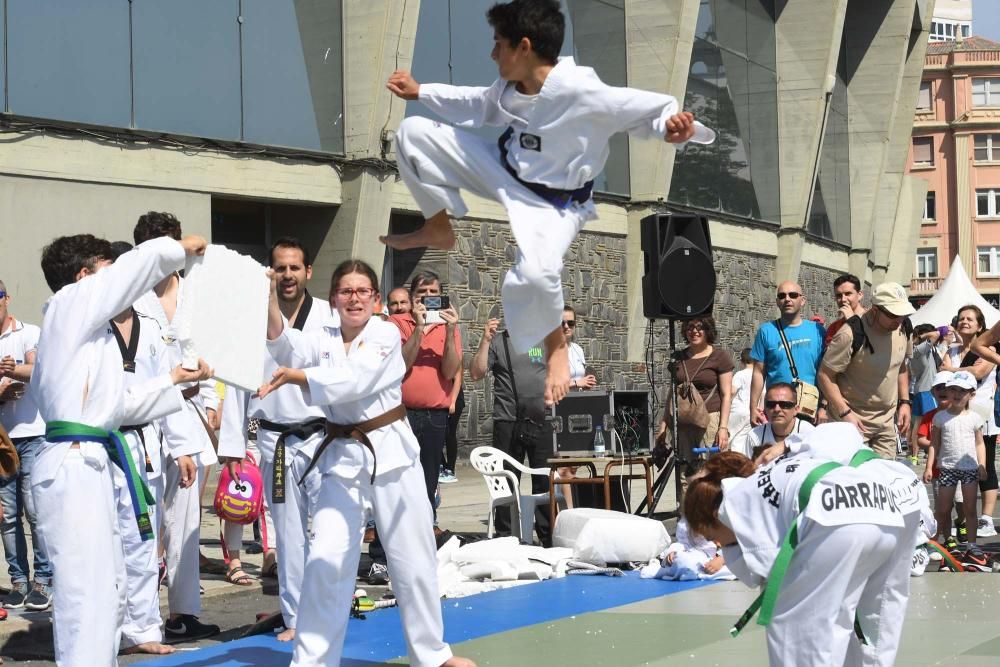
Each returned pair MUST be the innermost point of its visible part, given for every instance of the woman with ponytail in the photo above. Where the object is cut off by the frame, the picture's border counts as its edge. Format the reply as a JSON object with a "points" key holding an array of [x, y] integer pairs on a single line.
{"points": [[830, 532]]}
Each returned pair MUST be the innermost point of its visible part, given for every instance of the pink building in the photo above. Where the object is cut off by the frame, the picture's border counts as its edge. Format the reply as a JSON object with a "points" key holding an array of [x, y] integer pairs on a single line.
{"points": [[956, 148]]}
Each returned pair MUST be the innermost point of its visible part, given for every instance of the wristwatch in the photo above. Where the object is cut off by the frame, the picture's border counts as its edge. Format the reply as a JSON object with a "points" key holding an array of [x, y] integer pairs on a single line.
{"points": [[905, 401], [845, 413]]}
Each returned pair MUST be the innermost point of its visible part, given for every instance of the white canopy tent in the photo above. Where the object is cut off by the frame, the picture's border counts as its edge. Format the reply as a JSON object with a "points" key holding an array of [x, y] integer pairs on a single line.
{"points": [[956, 291]]}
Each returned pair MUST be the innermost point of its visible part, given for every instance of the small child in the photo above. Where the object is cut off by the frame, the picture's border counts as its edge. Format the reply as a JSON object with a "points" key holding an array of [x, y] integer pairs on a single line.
{"points": [[690, 557], [958, 449]]}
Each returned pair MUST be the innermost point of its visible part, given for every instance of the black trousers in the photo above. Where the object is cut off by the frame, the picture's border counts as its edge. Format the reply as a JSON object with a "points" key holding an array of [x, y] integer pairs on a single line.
{"points": [[430, 427], [451, 439], [536, 451]]}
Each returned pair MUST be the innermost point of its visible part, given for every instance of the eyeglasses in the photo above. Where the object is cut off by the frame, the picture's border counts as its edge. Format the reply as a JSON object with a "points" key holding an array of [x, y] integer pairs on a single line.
{"points": [[569, 323], [784, 405], [364, 293], [694, 327], [790, 295]]}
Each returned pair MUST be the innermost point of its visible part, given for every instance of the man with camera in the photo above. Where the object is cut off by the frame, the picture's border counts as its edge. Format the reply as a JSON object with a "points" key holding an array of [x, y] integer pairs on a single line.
{"points": [[519, 426], [432, 350]]}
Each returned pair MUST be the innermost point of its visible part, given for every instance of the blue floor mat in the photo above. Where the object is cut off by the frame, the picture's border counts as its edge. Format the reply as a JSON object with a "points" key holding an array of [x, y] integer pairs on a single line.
{"points": [[380, 637]]}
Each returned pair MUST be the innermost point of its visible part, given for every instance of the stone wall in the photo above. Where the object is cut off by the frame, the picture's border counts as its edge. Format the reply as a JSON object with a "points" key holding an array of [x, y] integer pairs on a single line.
{"points": [[594, 284]]}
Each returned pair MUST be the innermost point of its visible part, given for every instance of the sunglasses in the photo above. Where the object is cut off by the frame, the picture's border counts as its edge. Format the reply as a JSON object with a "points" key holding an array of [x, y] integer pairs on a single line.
{"points": [[569, 323], [784, 405], [694, 327], [3, 295], [891, 316], [790, 295]]}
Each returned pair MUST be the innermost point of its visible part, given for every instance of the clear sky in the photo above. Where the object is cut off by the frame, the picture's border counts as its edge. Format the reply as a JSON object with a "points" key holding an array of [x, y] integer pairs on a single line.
{"points": [[986, 19]]}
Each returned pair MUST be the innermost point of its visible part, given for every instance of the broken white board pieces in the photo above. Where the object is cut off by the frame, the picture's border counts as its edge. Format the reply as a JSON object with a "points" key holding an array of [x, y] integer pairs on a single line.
{"points": [[222, 316]]}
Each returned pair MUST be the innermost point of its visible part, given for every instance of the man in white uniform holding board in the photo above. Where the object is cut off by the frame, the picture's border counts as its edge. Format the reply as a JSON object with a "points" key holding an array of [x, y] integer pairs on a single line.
{"points": [[81, 396]]}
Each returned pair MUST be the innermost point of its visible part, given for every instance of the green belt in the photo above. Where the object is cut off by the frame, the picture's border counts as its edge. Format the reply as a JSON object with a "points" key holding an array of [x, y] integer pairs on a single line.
{"points": [[120, 454], [769, 596]]}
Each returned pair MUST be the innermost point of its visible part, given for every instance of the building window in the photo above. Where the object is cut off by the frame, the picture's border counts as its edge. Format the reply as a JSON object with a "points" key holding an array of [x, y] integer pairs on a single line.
{"points": [[965, 30], [987, 147], [923, 151], [930, 206], [988, 203], [927, 263], [985, 92], [988, 260], [924, 99]]}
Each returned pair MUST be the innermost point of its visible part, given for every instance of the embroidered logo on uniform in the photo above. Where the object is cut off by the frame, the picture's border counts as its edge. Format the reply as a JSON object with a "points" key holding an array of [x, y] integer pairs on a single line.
{"points": [[324, 355], [531, 142]]}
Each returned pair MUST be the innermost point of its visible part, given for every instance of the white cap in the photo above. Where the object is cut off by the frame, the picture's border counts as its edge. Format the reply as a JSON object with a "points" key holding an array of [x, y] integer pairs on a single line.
{"points": [[964, 380], [892, 297], [942, 377]]}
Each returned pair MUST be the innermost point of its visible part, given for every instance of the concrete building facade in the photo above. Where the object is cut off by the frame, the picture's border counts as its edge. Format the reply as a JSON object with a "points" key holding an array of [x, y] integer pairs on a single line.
{"points": [[956, 123], [263, 119]]}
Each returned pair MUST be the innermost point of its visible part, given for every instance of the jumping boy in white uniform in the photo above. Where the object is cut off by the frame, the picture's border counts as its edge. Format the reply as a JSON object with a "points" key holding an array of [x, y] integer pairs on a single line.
{"points": [[80, 389], [559, 119]]}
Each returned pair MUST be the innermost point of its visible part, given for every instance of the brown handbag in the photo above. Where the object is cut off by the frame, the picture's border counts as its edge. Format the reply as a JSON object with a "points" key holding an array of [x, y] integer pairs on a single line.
{"points": [[691, 410], [9, 460]]}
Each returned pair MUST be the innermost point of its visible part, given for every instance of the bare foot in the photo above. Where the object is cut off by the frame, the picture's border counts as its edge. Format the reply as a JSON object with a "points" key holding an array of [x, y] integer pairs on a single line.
{"points": [[456, 661], [151, 648], [436, 233], [557, 367], [287, 635]]}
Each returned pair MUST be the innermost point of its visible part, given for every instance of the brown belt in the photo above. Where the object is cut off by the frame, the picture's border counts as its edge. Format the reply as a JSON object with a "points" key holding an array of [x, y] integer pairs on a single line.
{"points": [[359, 432], [190, 392]]}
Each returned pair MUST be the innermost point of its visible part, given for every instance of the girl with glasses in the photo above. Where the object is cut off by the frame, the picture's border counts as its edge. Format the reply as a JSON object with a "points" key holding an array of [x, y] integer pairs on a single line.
{"points": [[368, 465]]}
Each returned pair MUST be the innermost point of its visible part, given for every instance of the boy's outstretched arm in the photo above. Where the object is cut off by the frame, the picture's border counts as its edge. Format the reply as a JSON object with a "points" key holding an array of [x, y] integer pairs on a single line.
{"points": [[680, 128], [402, 85]]}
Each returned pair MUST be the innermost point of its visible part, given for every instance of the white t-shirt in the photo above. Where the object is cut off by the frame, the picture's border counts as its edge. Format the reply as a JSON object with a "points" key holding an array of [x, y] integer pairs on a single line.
{"points": [[982, 400], [958, 439], [577, 363], [20, 417], [764, 434]]}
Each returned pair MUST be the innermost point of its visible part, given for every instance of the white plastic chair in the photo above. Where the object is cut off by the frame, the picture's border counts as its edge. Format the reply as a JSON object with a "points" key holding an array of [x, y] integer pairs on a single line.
{"points": [[504, 490]]}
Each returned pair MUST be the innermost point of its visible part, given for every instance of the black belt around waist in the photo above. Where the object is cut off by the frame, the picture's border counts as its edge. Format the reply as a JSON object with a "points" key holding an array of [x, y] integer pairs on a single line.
{"points": [[555, 196], [301, 431], [138, 429]]}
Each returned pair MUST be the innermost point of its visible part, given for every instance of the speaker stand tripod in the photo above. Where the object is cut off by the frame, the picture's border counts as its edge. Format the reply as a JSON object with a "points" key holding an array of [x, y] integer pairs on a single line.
{"points": [[675, 462]]}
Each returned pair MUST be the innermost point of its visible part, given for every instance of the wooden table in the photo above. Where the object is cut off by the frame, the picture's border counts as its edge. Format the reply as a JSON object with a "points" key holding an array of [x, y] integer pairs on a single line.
{"points": [[589, 462]]}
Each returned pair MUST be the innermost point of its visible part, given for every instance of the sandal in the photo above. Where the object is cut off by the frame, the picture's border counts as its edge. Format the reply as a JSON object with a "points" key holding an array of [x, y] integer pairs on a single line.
{"points": [[271, 571], [238, 577], [211, 566]]}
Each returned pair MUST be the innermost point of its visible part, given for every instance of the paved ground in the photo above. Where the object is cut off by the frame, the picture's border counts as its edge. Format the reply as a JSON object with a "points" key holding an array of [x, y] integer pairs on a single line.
{"points": [[950, 620]]}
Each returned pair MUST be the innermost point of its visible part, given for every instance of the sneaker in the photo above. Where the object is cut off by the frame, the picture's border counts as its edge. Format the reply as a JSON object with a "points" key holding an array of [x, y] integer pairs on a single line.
{"points": [[975, 560], [951, 544], [378, 575], [447, 477], [40, 597], [15, 599], [187, 628], [985, 527]]}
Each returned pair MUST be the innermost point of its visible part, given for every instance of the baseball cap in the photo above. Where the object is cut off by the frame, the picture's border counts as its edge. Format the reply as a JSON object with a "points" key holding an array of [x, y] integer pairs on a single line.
{"points": [[942, 378], [963, 379], [892, 297]]}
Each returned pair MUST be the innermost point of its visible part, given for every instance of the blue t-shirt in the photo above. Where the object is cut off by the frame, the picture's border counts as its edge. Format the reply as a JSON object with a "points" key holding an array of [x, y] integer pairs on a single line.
{"points": [[806, 341]]}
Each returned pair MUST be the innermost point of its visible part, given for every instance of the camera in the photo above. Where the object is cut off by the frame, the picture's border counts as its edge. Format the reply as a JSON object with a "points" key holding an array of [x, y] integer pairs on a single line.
{"points": [[436, 302]]}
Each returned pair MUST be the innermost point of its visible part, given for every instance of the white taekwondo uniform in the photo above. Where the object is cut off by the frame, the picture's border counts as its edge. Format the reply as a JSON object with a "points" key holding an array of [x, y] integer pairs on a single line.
{"points": [[854, 553], [284, 407], [559, 140], [353, 387], [180, 515], [150, 363], [78, 378]]}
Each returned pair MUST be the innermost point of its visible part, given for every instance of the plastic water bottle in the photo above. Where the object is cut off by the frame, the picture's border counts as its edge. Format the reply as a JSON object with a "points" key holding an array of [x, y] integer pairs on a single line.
{"points": [[599, 447]]}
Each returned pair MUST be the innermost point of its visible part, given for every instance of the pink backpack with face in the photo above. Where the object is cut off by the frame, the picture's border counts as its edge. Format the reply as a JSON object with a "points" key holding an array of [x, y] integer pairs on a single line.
{"points": [[239, 499]]}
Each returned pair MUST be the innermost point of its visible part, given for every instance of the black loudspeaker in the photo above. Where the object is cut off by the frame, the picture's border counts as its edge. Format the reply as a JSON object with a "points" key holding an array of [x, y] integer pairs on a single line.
{"points": [[679, 277]]}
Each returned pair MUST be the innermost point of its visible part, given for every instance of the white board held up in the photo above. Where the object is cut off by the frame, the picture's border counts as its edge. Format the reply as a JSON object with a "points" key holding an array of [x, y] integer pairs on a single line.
{"points": [[223, 316]]}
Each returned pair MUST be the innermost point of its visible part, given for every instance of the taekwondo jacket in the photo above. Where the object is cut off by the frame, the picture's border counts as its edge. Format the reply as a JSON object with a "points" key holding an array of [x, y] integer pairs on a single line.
{"points": [[565, 142]]}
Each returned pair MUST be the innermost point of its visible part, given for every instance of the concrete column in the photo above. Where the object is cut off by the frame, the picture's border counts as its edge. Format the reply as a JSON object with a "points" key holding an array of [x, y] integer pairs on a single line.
{"points": [[807, 41], [964, 195], [912, 193], [659, 36], [878, 34], [890, 202], [377, 34]]}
